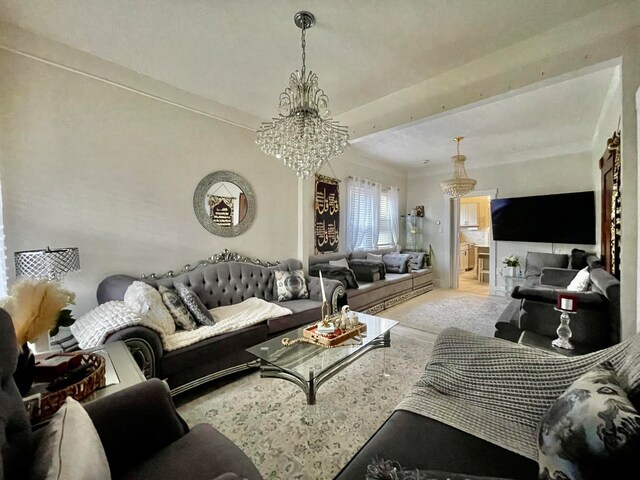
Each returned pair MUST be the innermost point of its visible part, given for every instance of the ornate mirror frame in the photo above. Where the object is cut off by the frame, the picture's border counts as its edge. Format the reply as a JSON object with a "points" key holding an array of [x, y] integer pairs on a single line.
{"points": [[199, 203]]}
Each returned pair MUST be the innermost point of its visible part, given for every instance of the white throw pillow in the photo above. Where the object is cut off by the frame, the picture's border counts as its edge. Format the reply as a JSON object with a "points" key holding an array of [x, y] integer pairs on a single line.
{"points": [[146, 300], [69, 447], [375, 258], [339, 263], [580, 282]]}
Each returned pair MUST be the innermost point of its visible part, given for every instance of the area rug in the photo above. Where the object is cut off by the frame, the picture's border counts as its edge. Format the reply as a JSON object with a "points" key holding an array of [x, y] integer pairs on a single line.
{"points": [[442, 308], [286, 439]]}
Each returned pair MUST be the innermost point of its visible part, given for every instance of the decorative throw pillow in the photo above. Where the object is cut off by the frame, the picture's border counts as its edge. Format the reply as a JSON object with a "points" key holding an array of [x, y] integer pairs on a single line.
{"points": [[578, 259], [181, 315], [194, 305], [580, 282], [382, 469], [339, 263], [416, 261], [69, 447], [592, 431], [291, 285], [147, 301], [374, 257]]}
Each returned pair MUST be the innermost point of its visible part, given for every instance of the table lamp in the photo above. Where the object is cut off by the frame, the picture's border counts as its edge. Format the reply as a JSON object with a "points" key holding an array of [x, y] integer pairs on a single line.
{"points": [[567, 304], [50, 264]]}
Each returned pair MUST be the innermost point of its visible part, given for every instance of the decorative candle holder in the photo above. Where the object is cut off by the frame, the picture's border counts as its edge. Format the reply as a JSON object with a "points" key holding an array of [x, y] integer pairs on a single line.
{"points": [[325, 325], [563, 331]]}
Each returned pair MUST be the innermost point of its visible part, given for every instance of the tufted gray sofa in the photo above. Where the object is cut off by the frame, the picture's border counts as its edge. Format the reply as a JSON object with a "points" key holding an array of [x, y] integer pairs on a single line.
{"points": [[226, 282]]}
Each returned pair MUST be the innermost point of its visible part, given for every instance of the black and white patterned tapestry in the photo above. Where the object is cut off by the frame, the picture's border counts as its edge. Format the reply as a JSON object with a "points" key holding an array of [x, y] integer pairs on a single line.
{"points": [[221, 210], [327, 215]]}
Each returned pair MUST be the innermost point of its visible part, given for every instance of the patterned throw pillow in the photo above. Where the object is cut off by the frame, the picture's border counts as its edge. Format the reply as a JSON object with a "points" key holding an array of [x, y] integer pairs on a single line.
{"points": [[291, 285], [180, 314], [592, 431], [194, 305]]}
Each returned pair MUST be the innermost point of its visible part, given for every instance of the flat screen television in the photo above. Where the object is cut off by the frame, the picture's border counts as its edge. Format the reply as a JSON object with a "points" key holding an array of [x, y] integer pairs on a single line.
{"points": [[559, 218]]}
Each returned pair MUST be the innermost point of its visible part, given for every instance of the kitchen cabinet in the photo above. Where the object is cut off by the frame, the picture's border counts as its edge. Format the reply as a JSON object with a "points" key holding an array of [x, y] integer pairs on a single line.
{"points": [[469, 215], [464, 257]]}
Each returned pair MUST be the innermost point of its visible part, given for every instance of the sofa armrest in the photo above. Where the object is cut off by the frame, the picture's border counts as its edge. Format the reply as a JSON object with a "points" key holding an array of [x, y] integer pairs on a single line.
{"points": [[333, 289], [145, 346], [586, 300], [559, 277], [136, 422]]}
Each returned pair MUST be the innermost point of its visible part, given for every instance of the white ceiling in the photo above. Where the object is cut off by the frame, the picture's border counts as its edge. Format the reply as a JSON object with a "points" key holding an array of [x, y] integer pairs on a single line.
{"points": [[240, 53], [551, 120]]}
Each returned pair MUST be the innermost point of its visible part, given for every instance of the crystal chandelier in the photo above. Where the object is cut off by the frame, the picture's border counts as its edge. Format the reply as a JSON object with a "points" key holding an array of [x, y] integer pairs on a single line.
{"points": [[303, 135], [460, 184]]}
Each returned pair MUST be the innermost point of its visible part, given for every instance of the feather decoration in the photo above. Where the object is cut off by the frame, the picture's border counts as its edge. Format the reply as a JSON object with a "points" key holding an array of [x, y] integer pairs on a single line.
{"points": [[36, 307]]}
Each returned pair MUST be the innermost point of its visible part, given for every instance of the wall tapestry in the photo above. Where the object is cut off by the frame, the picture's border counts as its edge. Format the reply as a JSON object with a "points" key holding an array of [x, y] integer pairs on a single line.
{"points": [[221, 210], [327, 214]]}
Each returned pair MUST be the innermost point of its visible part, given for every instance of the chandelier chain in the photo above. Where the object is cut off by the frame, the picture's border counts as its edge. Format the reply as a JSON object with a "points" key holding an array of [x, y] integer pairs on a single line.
{"points": [[304, 50]]}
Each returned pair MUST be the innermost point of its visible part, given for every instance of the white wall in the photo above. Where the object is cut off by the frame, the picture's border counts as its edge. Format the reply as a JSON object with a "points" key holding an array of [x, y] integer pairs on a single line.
{"points": [[113, 172], [569, 173]]}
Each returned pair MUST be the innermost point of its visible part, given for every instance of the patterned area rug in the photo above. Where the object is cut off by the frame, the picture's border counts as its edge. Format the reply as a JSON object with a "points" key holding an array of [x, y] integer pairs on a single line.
{"points": [[443, 308], [286, 439]]}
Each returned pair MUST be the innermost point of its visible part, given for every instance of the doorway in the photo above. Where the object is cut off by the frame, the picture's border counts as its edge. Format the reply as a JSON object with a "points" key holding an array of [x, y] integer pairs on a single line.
{"points": [[474, 231], [469, 241]]}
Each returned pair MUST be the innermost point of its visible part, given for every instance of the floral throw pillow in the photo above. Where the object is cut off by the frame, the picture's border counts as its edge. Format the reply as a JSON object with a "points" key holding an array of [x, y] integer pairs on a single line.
{"points": [[291, 285], [179, 312], [195, 306], [592, 431]]}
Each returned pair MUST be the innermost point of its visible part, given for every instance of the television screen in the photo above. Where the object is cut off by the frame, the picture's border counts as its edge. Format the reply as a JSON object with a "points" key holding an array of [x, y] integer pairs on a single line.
{"points": [[560, 218]]}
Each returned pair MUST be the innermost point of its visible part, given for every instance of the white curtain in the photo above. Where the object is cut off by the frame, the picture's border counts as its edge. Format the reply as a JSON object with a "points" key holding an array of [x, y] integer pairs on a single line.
{"points": [[394, 214], [363, 212]]}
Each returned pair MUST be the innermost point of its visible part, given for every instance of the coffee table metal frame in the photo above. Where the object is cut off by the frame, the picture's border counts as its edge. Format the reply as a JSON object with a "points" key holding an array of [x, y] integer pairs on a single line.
{"points": [[311, 384]]}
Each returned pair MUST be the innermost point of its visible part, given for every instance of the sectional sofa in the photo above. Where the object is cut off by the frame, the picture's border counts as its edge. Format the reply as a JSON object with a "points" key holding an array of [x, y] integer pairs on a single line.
{"points": [[380, 285]]}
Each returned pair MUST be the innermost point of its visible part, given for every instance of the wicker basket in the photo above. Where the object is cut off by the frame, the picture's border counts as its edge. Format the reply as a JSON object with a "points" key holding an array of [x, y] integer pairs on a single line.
{"points": [[50, 402]]}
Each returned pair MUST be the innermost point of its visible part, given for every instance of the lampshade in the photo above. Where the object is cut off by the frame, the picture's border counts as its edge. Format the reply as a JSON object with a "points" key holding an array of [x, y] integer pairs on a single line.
{"points": [[52, 264], [460, 184]]}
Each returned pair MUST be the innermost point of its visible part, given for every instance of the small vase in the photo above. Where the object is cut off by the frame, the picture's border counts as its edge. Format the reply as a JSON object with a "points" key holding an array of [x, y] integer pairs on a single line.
{"points": [[26, 370], [509, 271]]}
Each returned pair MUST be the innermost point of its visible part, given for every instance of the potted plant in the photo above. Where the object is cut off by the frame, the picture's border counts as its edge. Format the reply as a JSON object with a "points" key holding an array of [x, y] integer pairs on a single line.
{"points": [[511, 264], [37, 308]]}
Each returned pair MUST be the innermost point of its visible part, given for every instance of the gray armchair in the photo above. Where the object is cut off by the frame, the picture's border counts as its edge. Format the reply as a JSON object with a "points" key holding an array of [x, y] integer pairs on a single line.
{"points": [[142, 434]]}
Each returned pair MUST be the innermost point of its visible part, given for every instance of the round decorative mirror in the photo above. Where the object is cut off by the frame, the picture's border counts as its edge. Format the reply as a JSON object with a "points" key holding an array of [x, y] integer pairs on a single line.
{"points": [[224, 203]]}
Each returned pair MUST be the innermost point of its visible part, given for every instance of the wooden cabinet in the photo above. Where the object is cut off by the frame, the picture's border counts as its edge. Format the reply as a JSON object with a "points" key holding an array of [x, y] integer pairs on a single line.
{"points": [[469, 215], [464, 257]]}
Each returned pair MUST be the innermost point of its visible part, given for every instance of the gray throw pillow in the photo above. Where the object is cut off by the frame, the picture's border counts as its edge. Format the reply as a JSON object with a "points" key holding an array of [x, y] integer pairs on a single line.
{"points": [[201, 315], [178, 311], [291, 285], [416, 261], [592, 431], [536, 260], [578, 259], [396, 262]]}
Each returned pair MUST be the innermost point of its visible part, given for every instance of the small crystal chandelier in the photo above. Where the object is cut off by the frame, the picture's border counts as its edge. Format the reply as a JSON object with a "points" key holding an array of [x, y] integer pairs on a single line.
{"points": [[303, 135], [460, 184]]}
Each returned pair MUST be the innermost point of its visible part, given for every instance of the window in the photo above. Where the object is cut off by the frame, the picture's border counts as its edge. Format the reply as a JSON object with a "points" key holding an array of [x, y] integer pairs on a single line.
{"points": [[385, 234], [370, 215]]}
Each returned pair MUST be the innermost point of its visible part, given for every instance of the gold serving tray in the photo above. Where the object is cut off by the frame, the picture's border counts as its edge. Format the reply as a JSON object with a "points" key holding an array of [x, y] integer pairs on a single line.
{"points": [[334, 338]]}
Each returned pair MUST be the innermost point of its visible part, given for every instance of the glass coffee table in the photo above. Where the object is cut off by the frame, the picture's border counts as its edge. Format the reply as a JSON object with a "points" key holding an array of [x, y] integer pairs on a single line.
{"points": [[309, 365]]}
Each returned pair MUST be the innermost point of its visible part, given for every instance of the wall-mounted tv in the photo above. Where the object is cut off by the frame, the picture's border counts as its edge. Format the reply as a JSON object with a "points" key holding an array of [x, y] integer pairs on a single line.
{"points": [[559, 218]]}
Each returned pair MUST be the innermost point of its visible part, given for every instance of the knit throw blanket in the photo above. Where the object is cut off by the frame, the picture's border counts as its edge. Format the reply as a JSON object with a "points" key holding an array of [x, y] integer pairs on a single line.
{"points": [[498, 390], [93, 328]]}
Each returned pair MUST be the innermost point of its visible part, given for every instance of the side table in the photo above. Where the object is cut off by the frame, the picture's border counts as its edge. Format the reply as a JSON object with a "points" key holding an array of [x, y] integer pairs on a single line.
{"points": [[536, 340], [121, 371], [510, 283]]}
